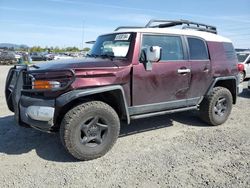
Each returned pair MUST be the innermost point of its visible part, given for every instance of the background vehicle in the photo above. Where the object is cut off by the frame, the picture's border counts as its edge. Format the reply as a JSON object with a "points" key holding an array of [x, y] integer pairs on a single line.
{"points": [[134, 72], [37, 56], [50, 56], [62, 56], [244, 64], [7, 57]]}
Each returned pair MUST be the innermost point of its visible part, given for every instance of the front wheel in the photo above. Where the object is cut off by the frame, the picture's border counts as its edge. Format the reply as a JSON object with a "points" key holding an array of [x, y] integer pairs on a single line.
{"points": [[89, 130], [216, 108]]}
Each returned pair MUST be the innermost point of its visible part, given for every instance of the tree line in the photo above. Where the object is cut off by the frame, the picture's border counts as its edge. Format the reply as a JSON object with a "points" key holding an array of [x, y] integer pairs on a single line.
{"points": [[47, 49], [56, 49]]}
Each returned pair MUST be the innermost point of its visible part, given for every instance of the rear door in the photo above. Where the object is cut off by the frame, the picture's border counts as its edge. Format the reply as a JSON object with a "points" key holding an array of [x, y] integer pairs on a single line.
{"points": [[201, 76], [166, 85]]}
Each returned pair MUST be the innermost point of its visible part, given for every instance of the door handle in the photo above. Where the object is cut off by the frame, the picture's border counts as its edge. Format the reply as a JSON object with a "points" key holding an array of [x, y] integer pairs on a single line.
{"points": [[206, 70], [183, 71]]}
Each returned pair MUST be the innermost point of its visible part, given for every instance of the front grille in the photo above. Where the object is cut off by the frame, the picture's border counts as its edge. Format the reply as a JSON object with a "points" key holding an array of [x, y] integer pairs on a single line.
{"points": [[27, 81]]}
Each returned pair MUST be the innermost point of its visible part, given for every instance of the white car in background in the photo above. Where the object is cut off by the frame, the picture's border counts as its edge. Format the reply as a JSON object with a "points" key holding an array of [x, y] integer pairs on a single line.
{"points": [[244, 64], [56, 57]]}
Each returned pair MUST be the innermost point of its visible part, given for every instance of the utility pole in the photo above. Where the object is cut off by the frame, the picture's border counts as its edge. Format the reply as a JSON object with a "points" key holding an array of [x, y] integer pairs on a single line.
{"points": [[83, 25]]}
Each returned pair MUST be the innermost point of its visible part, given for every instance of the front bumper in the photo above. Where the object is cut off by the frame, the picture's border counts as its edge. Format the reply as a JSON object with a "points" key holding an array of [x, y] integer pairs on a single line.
{"points": [[29, 111], [36, 112], [31, 108]]}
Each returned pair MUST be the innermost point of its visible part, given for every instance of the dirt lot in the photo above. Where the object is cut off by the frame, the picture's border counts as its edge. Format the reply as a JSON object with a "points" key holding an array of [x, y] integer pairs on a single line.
{"points": [[168, 151]]}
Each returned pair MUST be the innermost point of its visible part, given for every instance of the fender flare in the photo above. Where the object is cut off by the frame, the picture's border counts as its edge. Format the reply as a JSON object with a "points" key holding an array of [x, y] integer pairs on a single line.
{"points": [[75, 94], [234, 78]]}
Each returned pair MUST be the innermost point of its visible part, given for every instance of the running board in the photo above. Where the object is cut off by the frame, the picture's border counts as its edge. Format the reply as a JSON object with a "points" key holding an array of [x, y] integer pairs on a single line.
{"points": [[163, 112]]}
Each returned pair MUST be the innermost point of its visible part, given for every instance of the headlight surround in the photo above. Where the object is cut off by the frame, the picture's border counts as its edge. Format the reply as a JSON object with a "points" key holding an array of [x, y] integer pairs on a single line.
{"points": [[49, 80]]}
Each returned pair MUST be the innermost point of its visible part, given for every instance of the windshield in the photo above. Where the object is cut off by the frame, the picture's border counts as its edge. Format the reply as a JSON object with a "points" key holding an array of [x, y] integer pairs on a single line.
{"points": [[242, 56], [112, 45]]}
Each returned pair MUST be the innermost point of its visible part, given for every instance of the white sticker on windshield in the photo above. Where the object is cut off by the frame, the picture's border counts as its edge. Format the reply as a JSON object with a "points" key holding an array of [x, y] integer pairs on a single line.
{"points": [[122, 36]]}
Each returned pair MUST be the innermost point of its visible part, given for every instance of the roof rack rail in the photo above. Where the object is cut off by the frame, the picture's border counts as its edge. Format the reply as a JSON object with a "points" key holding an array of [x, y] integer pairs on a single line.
{"points": [[171, 23], [128, 27]]}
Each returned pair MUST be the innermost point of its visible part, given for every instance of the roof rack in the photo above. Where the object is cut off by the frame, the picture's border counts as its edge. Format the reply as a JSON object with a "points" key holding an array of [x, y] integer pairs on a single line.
{"points": [[171, 23], [90, 42], [128, 27]]}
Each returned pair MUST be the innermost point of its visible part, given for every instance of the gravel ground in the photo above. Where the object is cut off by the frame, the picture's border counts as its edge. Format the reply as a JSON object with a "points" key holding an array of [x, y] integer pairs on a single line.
{"points": [[176, 150]]}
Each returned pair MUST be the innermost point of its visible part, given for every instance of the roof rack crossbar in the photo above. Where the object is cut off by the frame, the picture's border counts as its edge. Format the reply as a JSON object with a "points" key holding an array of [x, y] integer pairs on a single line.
{"points": [[200, 29], [189, 25]]}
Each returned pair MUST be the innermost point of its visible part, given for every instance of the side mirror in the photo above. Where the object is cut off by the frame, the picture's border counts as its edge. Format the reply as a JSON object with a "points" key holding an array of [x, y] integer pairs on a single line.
{"points": [[153, 53], [149, 55]]}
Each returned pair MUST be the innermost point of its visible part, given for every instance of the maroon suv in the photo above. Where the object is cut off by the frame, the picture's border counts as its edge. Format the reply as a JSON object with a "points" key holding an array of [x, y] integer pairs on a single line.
{"points": [[134, 72]]}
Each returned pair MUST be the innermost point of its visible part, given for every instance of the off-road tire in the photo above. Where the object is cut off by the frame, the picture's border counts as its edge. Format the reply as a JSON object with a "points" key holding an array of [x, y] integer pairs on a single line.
{"points": [[208, 106], [72, 123]]}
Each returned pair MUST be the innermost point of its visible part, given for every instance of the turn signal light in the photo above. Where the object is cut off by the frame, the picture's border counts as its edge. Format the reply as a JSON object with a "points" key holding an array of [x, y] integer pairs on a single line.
{"points": [[45, 84]]}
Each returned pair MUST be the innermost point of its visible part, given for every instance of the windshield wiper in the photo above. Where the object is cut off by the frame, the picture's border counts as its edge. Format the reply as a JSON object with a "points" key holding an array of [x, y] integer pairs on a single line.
{"points": [[107, 56], [102, 56], [92, 55]]}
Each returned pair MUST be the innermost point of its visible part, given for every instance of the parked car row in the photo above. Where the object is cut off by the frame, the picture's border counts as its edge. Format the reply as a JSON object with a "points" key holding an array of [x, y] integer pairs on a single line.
{"points": [[14, 57], [42, 56]]}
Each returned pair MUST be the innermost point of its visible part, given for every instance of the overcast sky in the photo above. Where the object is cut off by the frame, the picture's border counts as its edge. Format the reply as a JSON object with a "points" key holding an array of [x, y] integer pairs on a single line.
{"points": [[69, 22]]}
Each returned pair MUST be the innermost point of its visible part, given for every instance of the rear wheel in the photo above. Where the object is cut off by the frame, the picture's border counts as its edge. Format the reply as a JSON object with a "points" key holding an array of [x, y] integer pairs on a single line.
{"points": [[216, 108], [89, 130]]}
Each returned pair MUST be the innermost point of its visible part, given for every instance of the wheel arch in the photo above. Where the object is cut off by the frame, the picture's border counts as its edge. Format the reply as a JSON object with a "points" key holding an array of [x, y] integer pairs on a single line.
{"points": [[112, 95], [229, 82]]}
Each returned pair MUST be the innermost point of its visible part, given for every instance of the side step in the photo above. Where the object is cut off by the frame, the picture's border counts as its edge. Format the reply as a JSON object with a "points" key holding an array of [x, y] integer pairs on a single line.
{"points": [[163, 112]]}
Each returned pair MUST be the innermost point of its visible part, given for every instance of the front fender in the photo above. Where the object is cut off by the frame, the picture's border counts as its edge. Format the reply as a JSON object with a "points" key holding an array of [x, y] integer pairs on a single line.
{"points": [[75, 94]]}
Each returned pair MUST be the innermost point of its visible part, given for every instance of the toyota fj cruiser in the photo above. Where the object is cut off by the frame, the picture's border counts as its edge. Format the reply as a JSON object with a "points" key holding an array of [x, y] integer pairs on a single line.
{"points": [[131, 73]]}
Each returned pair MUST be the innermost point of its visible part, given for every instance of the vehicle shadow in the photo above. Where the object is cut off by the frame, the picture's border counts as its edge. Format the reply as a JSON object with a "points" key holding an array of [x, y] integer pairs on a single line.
{"points": [[245, 93], [189, 118], [143, 125], [16, 140]]}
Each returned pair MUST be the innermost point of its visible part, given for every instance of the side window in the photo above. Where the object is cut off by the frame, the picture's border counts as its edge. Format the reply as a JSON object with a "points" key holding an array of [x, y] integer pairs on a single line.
{"points": [[229, 51], [171, 46], [197, 49]]}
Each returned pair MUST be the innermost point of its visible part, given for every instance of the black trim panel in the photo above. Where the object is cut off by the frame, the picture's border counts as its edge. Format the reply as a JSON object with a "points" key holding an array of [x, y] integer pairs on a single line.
{"points": [[156, 107], [163, 112]]}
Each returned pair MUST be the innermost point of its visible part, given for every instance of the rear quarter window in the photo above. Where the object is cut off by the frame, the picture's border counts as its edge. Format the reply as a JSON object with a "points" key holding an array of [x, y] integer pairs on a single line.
{"points": [[197, 49], [229, 51]]}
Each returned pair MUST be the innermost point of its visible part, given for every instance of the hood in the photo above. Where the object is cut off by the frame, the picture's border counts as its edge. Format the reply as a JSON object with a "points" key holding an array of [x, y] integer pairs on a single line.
{"points": [[78, 63]]}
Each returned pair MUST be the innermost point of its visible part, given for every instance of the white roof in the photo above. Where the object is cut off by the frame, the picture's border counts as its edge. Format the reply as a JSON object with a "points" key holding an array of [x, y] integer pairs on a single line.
{"points": [[188, 32]]}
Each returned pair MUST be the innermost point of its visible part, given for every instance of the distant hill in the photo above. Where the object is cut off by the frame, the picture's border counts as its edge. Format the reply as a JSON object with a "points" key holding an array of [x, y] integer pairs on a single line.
{"points": [[15, 46]]}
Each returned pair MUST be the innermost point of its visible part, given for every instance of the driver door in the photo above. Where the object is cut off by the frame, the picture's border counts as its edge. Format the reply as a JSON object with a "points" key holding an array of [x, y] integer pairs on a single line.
{"points": [[166, 85]]}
